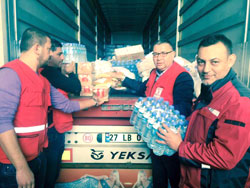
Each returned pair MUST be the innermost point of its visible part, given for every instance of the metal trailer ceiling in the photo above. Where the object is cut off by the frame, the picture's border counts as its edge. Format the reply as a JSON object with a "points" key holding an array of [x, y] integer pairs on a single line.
{"points": [[127, 15]]}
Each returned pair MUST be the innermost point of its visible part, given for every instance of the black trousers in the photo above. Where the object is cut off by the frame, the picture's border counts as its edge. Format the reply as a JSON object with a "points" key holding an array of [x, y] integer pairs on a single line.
{"points": [[165, 169], [37, 166]]}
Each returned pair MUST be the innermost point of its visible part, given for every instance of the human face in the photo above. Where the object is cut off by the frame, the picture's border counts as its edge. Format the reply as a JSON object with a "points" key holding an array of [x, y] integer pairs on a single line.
{"points": [[57, 58], [214, 62], [164, 59], [45, 52]]}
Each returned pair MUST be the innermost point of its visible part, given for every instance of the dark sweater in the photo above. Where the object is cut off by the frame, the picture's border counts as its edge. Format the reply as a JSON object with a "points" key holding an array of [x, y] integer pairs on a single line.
{"points": [[70, 84]]}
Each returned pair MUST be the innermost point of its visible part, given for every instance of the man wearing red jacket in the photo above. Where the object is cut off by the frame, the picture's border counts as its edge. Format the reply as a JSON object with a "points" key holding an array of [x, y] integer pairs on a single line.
{"points": [[173, 83], [62, 78], [24, 99], [215, 151]]}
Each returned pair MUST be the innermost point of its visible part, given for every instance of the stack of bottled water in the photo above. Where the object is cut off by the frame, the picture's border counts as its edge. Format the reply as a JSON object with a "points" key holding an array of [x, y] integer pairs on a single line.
{"points": [[74, 52], [148, 116]]}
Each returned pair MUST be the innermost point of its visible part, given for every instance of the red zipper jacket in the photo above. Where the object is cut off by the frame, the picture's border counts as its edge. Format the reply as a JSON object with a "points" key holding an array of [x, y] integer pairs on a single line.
{"points": [[215, 152]]}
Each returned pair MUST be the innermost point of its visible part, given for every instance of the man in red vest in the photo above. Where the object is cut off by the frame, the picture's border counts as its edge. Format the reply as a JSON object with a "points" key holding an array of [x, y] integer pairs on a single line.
{"points": [[24, 99], [62, 78], [173, 83]]}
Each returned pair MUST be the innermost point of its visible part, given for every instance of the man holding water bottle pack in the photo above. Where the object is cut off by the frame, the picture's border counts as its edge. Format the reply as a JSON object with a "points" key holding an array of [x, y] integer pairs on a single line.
{"points": [[174, 84], [215, 151]]}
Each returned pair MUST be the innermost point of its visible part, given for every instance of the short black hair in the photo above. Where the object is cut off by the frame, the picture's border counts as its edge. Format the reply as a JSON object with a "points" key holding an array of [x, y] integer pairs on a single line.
{"points": [[30, 37], [55, 44], [214, 39], [164, 41]]}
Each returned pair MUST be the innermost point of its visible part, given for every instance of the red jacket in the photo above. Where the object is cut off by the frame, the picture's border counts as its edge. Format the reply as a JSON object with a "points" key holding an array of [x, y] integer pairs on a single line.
{"points": [[30, 122], [215, 152], [160, 87], [63, 122]]}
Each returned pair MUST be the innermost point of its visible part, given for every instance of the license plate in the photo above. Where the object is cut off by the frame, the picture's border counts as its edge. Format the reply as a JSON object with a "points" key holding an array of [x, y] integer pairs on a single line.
{"points": [[122, 137]]}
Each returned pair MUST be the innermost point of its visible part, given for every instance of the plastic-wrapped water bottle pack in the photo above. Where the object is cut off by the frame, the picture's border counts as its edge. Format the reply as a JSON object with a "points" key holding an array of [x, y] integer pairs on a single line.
{"points": [[149, 114]]}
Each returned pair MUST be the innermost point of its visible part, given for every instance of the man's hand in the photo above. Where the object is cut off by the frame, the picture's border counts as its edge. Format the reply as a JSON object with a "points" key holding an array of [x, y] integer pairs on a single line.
{"points": [[118, 75], [9, 144], [173, 140], [99, 100], [25, 178], [67, 68]]}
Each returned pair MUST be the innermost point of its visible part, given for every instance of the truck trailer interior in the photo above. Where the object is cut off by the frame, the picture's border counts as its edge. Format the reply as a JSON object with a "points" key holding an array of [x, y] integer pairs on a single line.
{"points": [[103, 25]]}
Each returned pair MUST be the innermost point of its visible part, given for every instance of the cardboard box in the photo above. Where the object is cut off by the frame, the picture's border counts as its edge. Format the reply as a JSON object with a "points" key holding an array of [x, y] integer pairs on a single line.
{"points": [[129, 53]]}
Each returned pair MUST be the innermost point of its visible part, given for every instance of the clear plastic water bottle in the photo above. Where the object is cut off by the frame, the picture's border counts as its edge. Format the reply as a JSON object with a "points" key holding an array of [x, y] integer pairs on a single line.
{"points": [[176, 114], [173, 125], [159, 148], [144, 120], [152, 142], [146, 131], [140, 113], [137, 106], [183, 123]]}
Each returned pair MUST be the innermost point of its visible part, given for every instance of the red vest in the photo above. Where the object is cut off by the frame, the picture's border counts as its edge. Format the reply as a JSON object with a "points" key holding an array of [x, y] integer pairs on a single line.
{"points": [[63, 122], [164, 86], [30, 122]]}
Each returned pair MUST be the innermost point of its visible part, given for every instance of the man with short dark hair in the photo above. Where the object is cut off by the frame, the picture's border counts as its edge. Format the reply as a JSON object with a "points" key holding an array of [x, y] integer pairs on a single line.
{"points": [[215, 151], [174, 84], [24, 99], [59, 122]]}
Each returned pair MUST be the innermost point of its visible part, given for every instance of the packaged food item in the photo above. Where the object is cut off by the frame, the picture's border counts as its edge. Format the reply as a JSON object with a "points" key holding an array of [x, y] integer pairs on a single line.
{"points": [[87, 91], [84, 68], [145, 67], [101, 91], [104, 82], [85, 79], [101, 67]]}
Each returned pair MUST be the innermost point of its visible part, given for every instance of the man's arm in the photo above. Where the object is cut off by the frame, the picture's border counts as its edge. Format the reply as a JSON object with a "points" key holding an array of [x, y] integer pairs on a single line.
{"points": [[183, 93], [69, 84], [9, 100], [139, 87], [60, 102]]}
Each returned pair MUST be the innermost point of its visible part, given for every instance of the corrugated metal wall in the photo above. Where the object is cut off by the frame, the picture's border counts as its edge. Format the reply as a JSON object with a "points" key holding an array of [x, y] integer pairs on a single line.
{"points": [[49, 16], [145, 44], [168, 21], [200, 18], [161, 25], [151, 30], [197, 18], [88, 26], [60, 19]]}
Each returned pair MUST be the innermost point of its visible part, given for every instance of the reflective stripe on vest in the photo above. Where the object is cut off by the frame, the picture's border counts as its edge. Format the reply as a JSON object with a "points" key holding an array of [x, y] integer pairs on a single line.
{"points": [[30, 129]]}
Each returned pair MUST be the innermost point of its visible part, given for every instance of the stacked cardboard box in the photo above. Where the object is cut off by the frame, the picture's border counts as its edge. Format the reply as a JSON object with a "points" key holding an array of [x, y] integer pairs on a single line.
{"points": [[129, 53]]}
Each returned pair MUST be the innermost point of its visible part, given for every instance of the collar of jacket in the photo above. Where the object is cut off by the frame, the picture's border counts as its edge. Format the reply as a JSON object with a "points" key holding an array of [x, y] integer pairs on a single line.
{"points": [[207, 91]]}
